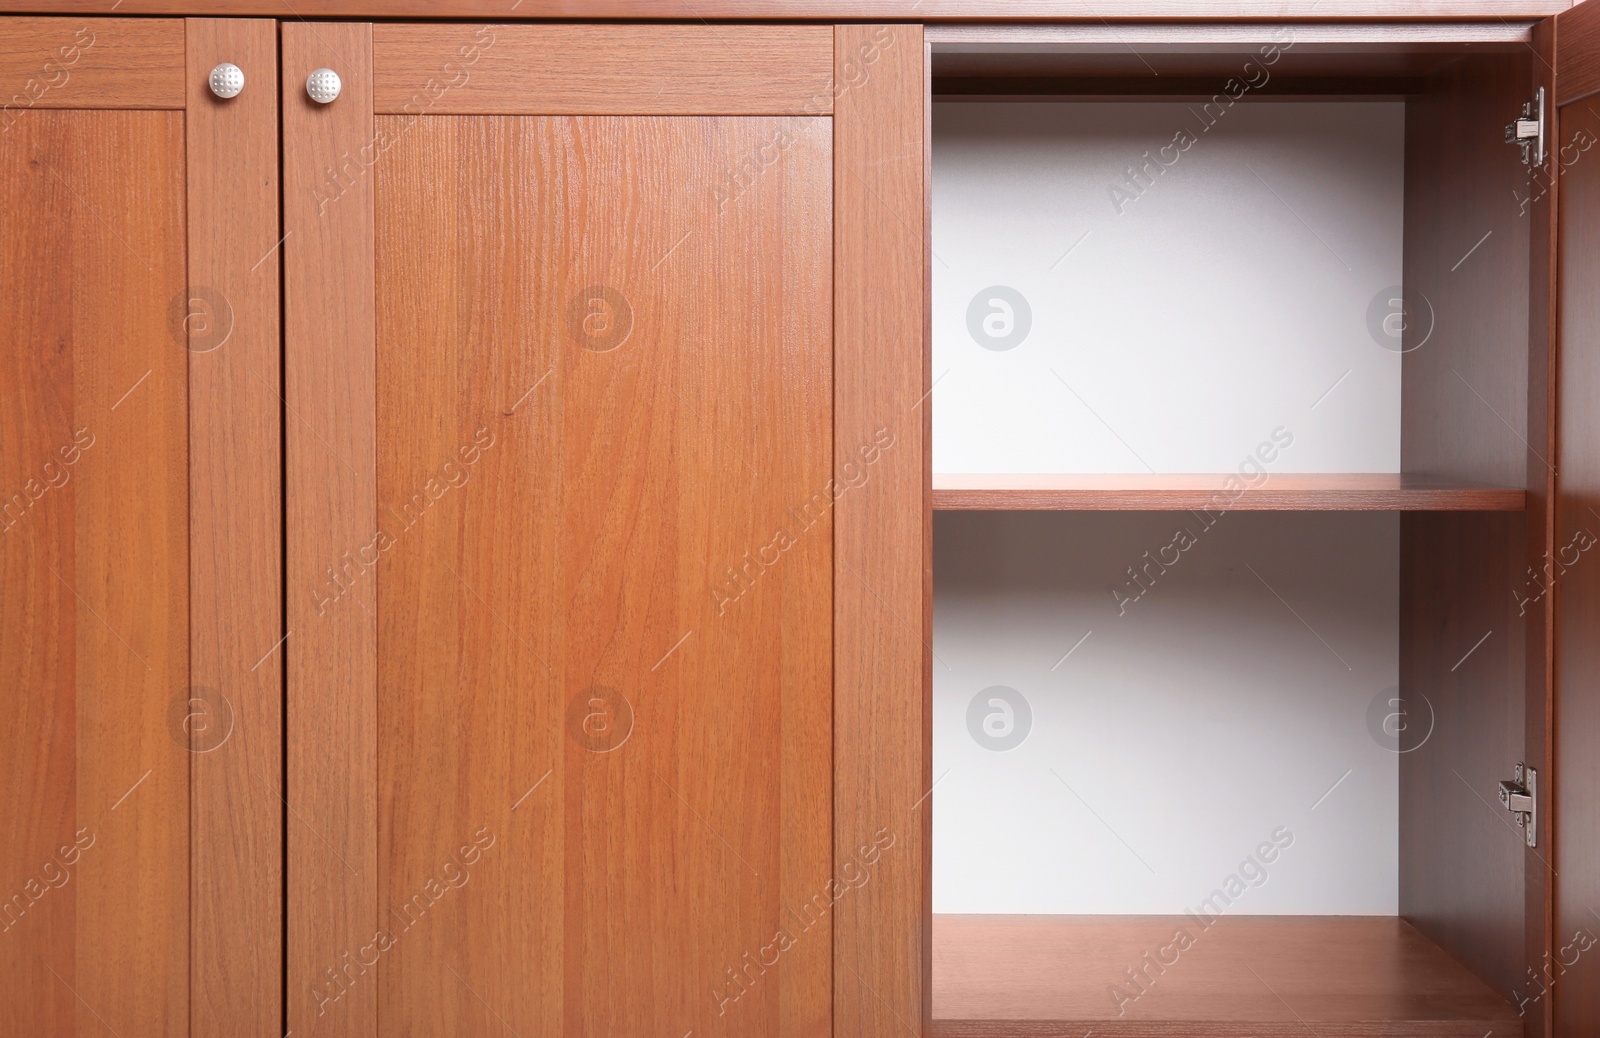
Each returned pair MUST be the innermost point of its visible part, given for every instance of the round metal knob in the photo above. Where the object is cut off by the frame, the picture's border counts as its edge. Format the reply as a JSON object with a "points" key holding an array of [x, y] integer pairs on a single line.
{"points": [[323, 85], [227, 79]]}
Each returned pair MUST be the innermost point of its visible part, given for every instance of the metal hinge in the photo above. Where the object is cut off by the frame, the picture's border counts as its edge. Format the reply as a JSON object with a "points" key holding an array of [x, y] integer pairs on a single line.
{"points": [[1521, 797], [1528, 131]]}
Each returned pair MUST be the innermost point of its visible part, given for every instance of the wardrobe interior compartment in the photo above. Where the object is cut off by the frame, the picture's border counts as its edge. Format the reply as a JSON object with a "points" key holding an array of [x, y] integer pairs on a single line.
{"points": [[1231, 369]]}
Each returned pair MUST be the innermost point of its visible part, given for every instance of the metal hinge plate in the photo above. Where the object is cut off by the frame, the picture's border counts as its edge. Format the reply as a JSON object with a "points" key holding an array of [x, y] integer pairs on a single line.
{"points": [[1521, 797], [1528, 131]]}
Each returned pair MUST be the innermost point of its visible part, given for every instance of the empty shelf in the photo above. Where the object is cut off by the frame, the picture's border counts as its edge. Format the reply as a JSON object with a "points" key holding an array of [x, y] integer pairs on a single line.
{"points": [[1043, 976], [1301, 491]]}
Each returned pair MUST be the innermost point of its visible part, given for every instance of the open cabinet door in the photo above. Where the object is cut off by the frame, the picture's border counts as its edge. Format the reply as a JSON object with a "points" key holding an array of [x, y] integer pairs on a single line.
{"points": [[1572, 171]]}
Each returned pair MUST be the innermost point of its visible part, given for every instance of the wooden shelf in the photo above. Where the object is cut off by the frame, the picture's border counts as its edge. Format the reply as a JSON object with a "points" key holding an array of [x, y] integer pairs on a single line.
{"points": [[1043, 976], [1301, 491]]}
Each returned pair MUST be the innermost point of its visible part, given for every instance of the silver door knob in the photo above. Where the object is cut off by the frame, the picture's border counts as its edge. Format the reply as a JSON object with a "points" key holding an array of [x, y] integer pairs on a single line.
{"points": [[323, 85], [227, 79]]}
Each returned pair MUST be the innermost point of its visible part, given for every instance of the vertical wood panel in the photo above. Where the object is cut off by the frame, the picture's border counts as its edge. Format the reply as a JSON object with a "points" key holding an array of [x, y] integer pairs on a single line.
{"points": [[1465, 379], [882, 583], [125, 172], [235, 534], [1539, 623], [584, 548], [37, 661], [684, 827], [1567, 308], [94, 922], [468, 696], [1461, 871], [791, 215], [1576, 856], [331, 519]]}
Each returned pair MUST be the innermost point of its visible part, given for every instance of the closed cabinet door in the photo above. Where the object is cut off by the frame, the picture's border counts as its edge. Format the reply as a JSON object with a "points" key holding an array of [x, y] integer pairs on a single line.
{"points": [[560, 526], [139, 545]]}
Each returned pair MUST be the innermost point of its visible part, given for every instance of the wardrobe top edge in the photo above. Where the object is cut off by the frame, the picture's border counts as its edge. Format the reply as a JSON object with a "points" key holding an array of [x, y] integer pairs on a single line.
{"points": [[950, 15]]}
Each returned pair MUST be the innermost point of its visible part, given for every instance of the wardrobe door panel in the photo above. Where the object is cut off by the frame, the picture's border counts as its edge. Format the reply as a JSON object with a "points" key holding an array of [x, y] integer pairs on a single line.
{"points": [[575, 524], [141, 832]]}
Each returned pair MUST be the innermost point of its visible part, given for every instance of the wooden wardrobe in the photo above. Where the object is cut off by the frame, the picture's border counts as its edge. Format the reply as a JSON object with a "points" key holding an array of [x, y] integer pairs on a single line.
{"points": [[467, 519]]}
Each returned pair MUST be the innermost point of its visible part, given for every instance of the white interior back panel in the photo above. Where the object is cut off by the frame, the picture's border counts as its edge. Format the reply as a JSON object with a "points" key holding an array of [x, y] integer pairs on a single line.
{"points": [[1136, 287]]}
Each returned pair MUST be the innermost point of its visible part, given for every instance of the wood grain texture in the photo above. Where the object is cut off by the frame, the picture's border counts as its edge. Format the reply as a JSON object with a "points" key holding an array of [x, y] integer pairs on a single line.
{"points": [[89, 63], [927, 530], [1463, 577], [1272, 976], [130, 507], [1242, 38], [882, 576], [1170, 88], [1577, 55], [1295, 491], [603, 69], [1199, 59], [1574, 971], [94, 556], [235, 534], [1539, 622], [1462, 646], [37, 607], [836, 10], [579, 509], [471, 712], [1465, 369], [331, 518]]}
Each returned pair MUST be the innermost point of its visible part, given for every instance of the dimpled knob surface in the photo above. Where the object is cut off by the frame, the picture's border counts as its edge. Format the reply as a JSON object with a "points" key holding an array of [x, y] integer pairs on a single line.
{"points": [[227, 79], [323, 85]]}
